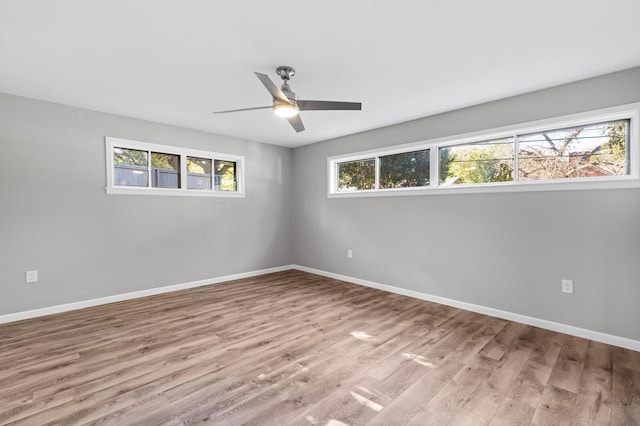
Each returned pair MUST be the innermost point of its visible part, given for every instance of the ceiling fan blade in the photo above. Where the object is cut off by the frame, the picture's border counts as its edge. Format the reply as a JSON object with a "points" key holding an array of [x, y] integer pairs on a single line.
{"points": [[241, 109], [329, 105], [296, 123], [272, 88]]}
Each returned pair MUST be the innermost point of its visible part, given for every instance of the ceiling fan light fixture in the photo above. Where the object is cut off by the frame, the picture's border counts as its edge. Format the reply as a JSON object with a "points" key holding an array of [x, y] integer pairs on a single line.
{"points": [[286, 104], [284, 109]]}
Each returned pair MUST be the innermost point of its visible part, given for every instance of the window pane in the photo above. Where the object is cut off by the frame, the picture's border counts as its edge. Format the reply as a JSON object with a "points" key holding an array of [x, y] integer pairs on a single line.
{"points": [[587, 151], [198, 173], [357, 175], [165, 170], [405, 169], [130, 167], [225, 175], [481, 162]]}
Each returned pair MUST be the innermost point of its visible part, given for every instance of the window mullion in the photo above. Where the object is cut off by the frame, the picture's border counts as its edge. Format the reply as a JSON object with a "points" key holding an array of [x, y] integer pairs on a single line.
{"points": [[149, 170], [516, 173], [632, 148], [377, 185], [434, 167], [183, 172]]}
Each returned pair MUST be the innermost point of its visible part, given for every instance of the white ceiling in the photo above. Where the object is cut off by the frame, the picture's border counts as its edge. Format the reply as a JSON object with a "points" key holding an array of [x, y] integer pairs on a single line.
{"points": [[177, 61]]}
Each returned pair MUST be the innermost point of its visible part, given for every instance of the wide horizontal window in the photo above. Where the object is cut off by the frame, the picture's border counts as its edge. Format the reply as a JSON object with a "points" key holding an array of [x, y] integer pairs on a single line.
{"points": [[143, 168], [597, 149]]}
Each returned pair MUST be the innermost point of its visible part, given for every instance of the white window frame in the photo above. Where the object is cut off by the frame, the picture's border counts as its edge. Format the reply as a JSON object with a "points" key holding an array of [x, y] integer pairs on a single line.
{"points": [[629, 112], [111, 188]]}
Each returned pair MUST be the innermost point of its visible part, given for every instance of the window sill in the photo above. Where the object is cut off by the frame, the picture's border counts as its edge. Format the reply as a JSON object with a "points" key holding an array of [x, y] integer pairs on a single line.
{"points": [[172, 192], [620, 183]]}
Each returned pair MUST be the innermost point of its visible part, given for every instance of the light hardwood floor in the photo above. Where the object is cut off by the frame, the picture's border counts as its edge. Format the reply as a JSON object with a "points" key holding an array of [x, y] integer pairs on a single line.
{"points": [[298, 349]]}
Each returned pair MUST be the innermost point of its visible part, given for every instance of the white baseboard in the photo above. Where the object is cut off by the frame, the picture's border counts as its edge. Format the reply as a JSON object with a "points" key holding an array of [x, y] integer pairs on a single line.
{"points": [[622, 342], [133, 295], [610, 339]]}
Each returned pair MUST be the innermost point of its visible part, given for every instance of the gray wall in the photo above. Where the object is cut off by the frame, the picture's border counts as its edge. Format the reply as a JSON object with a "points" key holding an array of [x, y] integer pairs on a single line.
{"points": [[507, 251], [55, 216]]}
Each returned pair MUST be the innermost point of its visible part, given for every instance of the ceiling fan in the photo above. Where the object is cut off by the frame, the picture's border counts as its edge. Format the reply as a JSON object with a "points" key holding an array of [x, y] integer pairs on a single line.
{"points": [[285, 103]]}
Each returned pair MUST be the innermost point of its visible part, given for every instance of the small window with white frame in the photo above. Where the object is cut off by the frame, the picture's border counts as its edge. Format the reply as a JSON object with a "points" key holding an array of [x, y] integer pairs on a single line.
{"points": [[135, 167], [597, 149]]}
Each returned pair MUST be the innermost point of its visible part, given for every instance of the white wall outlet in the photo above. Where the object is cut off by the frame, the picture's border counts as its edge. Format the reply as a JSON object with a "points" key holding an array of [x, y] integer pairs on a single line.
{"points": [[567, 286], [349, 253], [31, 277]]}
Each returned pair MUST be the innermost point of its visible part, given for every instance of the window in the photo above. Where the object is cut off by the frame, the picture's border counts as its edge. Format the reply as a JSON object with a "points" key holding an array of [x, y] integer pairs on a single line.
{"points": [[198, 173], [165, 170], [130, 167], [588, 150], [357, 175], [581, 151], [479, 162], [225, 175], [397, 170], [405, 169], [142, 168]]}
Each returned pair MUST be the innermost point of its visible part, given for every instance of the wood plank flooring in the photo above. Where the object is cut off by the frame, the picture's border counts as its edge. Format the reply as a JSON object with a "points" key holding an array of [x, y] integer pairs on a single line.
{"points": [[293, 348]]}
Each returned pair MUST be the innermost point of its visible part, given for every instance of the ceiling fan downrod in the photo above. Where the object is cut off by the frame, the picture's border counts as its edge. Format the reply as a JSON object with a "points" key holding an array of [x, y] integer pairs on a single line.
{"points": [[286, 72]]}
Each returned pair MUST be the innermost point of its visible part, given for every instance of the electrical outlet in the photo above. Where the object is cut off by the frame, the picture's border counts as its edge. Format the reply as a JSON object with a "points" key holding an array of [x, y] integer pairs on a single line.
{"points": [[31, 277], [567, 286], [349, 253]]}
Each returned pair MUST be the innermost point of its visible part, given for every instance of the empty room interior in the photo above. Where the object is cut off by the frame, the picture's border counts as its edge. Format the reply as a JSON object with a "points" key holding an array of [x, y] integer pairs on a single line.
{"points": [[319, 213]]}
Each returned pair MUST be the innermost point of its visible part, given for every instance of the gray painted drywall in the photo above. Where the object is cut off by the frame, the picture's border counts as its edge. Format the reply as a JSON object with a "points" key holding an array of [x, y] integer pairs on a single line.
{"points": [[507, 251], [55, 216]]}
